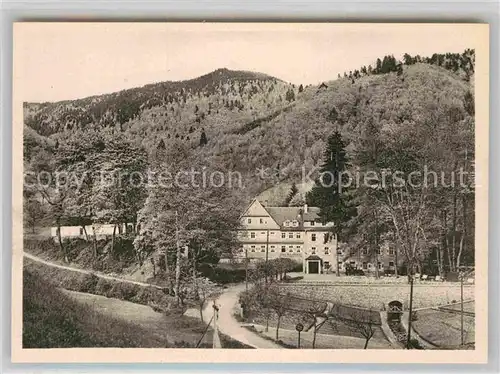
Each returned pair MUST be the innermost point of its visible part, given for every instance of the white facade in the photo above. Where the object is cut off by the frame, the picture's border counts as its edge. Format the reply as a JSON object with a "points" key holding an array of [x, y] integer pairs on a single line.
{"points": [[100, 230], [287, 232]]}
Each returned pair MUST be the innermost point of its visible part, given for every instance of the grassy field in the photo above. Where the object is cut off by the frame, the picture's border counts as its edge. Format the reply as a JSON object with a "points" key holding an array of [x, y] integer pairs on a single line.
{"points": [[443, 328], [376, 296], [55, 318], [289, 338]]}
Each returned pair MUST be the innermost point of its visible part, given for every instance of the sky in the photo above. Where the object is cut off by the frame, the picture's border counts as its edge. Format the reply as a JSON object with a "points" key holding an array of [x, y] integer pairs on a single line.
{"points": [[60, 61]]}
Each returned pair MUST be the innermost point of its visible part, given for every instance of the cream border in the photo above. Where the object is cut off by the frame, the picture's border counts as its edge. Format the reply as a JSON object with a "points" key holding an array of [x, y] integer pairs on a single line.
{"points": [[132, 355]]}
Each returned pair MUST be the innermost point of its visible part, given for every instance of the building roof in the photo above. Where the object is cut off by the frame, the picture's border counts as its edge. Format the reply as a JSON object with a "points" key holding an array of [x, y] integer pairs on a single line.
{"points": [[314, 257], [282, 214]]}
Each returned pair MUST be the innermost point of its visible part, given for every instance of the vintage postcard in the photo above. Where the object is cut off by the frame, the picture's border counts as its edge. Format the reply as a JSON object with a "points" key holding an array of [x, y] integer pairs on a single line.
{"points": [[185, 190]]}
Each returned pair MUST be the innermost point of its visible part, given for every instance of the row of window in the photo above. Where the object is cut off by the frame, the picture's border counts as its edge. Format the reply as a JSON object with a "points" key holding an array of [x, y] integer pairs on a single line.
{"points": [[390, 251], [287, 223], [291, 248], [290, 235], [262, 221]]}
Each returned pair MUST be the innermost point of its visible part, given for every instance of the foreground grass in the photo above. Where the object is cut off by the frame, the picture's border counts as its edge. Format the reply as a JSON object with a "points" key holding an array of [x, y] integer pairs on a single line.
{"points": [[443, 328], [55, 318], [289, 339]]}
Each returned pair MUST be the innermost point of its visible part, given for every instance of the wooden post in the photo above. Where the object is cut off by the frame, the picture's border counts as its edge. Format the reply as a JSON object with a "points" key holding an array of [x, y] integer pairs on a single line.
{"points": [[267, 255], [410, 312], [246, 269], [462, 308]]}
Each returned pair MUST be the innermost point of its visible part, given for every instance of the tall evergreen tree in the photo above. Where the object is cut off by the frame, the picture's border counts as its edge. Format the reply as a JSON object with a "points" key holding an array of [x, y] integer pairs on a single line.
{"points": [[329, 192], [291, 195], [203, 138]]}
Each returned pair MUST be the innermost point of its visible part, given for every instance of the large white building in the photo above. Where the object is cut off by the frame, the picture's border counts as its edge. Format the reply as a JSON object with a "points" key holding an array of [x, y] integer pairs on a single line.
{"points": [[288, 232]]}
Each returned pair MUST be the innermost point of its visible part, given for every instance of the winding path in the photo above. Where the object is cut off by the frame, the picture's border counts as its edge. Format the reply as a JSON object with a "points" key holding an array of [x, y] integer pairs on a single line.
{"points": [[227, 323], [227, 301], [84, 271]]}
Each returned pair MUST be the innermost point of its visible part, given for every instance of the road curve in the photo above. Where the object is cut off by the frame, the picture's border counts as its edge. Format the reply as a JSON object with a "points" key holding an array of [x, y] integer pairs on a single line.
{"points": [[227, 303], [227, 323]]}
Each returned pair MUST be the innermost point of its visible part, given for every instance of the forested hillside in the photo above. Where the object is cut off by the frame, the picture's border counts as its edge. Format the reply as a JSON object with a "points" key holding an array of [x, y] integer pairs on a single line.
{"points": [[421, 110]]}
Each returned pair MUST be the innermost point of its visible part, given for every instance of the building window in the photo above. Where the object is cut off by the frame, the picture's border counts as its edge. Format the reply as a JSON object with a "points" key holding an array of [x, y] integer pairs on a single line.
{"points": [[391, 251], [313, 250], [312, 223], [365, 265], [364, 251], [290, 235], [261, 220], [252, 248], [249, 220], [272, 248], [352, 263], [298, 248], [283, 248], [290, 248], [286, 223], [81, 230], [327, 265], [369, 265], [391, 264], [283, 235], [380, 265], [271, 232], [252, 235], [262, 248], [295, 223], [313, 237], [327, 251], [263, 233], [377, 251], [297, 236]]}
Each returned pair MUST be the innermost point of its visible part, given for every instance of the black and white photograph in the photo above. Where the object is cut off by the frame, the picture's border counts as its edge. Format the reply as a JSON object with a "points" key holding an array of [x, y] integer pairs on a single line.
{"points": [[315, 187]]}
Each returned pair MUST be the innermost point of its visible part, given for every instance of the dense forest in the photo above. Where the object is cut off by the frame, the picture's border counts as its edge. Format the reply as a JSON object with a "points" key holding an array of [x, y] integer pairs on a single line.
{"points": [[395, 115]]}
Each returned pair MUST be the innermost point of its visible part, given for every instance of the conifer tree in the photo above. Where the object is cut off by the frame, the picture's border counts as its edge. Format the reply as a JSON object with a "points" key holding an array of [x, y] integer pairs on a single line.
{"points": [[329, 192], [203, 138], [291, 195]]}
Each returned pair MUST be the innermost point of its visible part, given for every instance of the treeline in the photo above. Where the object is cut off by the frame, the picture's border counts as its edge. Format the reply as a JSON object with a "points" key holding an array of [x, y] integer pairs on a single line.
{"points": [[460, 63], [417, 188], [116, 109]]}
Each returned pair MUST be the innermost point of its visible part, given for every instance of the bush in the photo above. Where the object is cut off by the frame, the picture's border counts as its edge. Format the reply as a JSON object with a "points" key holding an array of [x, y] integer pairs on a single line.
{"points": [[154, 297], [103, 287], [414, 344], [223, 275], [124, 291]]}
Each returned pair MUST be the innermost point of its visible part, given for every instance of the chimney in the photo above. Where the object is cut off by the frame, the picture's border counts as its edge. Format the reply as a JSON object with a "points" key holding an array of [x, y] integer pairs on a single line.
{"points": [[305, 208]]}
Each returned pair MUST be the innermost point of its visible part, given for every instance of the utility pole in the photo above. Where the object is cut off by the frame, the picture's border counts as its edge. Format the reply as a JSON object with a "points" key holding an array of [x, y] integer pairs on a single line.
{"points": [[462, 308], [267, 255], [410, 312], [246, 269]]}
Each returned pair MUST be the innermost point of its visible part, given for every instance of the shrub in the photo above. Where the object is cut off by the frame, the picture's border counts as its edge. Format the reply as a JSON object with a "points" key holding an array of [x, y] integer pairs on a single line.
{"points": [[88, 283], [154, 297], [103, 287], [414, 344], [223, 275], [124, 291]]}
